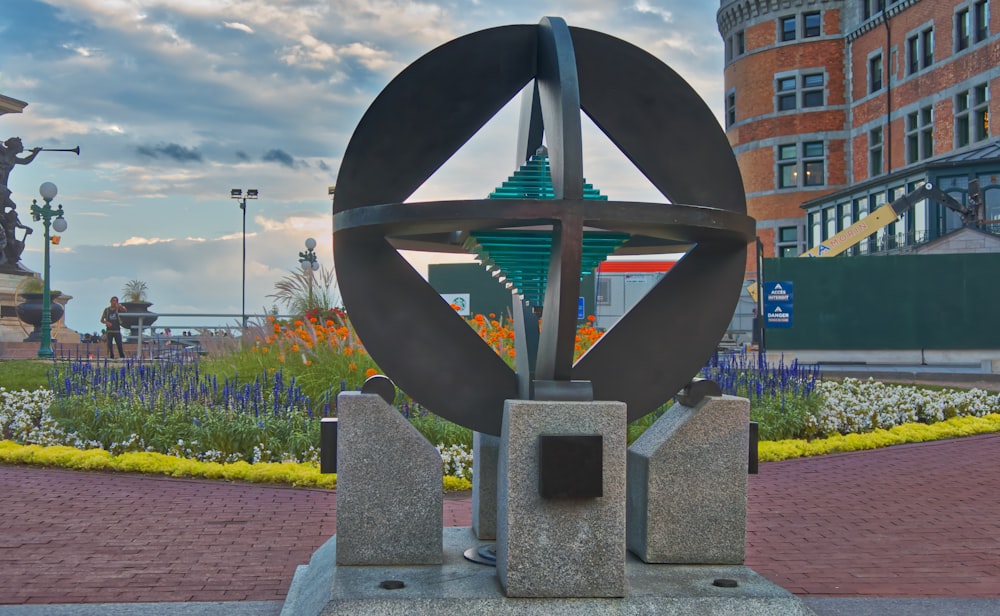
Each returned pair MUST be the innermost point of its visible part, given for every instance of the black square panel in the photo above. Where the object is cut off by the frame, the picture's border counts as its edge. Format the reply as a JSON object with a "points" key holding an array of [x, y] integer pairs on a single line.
{"points": [[571, 466]]}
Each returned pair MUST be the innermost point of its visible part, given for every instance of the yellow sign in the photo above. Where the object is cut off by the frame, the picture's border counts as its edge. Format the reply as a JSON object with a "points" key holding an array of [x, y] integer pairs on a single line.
{"points": [[850, 236]]}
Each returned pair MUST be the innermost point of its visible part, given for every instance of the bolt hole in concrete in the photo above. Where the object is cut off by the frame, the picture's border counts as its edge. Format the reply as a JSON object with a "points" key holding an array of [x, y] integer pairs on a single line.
{"points": [[725, 583], [391, 584]]}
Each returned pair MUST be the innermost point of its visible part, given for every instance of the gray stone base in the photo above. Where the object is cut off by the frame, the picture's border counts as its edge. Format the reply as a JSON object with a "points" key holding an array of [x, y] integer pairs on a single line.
{"points": [[687, 485], [389, 498], [485, 455], [462, 588], [560, 547]]}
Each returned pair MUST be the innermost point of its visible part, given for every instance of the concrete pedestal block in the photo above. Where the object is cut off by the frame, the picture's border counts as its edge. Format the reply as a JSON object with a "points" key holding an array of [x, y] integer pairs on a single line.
{"points": [[390, 500], [687, 485], [560, 547], [485, 454]]}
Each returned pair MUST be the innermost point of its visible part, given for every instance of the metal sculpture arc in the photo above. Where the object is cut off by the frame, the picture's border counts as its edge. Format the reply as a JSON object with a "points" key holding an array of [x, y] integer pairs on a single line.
{"points": [[650, 113]]}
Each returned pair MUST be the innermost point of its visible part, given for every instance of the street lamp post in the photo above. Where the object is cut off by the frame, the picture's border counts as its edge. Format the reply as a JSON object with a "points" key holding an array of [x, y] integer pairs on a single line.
{"points": [[237, 193], [307, 259], [45, 213]]}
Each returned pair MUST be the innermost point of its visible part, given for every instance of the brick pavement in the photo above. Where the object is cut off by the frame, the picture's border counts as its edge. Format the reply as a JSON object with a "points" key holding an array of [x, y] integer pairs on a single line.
{"points": [[912, 520]]}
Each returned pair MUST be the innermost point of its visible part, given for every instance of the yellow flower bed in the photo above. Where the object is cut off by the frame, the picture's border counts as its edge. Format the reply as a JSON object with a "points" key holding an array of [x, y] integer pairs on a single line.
{"points": [[771, 451], [289, 473], [306, 475]]}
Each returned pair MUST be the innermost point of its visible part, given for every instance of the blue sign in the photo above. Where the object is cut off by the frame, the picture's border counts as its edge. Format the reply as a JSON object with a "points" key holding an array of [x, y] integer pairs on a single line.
{"points": [[579, 310], [778, 315], [778, 292], [778, 304]]}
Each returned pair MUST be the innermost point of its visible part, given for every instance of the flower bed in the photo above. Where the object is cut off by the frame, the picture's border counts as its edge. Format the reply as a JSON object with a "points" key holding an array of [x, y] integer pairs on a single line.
{"points": [[852, 414]]}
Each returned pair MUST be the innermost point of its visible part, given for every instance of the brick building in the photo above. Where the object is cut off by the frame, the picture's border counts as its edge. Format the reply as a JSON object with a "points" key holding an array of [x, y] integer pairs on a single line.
{"points": [[835, 107]]}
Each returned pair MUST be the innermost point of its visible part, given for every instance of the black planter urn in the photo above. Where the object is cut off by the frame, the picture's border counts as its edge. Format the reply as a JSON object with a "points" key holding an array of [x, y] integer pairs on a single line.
{"points": [[30, 311], [136, 310]]}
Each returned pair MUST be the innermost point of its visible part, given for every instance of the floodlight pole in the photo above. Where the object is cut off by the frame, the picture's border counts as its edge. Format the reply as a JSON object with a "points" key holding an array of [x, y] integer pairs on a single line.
{"points": [[237, 193]]}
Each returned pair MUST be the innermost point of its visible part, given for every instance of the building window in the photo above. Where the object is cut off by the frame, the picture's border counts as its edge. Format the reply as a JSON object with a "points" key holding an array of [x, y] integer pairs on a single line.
{"points": [[813, 163], [920, 135], [875, 73], [980, 21], [920, 51], [786, 93], [812, 90], [740, 43], [829, 222], [787, 26], [846, 211], [801, 164], [875, 152], [730, 109], [872, 7], [788, 166], [927, 47], [972, 115], [802, 91], [810, 25], [912, 55], [963, 29], [788, 242], [813, 230]]}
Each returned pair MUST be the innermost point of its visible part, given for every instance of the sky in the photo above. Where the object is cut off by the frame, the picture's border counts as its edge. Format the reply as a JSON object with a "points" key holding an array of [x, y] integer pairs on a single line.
{"points": [[175, 102]]}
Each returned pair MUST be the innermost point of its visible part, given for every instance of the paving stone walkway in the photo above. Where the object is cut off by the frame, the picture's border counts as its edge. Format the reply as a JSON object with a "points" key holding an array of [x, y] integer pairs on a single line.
{"points": [[908, 521]]}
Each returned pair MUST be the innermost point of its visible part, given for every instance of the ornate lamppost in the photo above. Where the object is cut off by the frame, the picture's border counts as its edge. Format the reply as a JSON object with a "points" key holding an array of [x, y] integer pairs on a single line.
{"points": [[307, 259], [45, 213], [237, 193]]}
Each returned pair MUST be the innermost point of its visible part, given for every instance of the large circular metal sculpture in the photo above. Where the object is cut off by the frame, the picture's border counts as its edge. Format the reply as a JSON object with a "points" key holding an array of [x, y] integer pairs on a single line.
{"points": [[649, 112]]}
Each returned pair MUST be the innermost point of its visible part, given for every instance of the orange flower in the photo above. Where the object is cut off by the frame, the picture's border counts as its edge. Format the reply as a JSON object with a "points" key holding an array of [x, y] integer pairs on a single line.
{"points": [[591, 318], [369, 373], [353, 367]]}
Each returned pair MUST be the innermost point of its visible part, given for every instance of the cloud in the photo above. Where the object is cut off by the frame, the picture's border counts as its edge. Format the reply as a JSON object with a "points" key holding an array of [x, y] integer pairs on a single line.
{"points": [[279, 156], [242, 156], [142, 241], [172, 151], [86, 52], [310, 52], [235, 25], [323, 166], [644, 7]]}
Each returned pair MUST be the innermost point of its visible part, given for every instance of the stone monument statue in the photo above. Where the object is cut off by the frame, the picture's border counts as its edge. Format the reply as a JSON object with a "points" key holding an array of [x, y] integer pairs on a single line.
{"points": [[11, 247], [573, 532]]}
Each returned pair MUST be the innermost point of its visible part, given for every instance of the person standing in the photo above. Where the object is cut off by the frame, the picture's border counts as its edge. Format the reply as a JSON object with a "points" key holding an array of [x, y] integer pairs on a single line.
{"points": [[113, 325]]}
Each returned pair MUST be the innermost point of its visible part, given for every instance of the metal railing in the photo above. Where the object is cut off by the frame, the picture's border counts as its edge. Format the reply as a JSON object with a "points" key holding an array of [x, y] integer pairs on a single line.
{"points": [[191, 331]]}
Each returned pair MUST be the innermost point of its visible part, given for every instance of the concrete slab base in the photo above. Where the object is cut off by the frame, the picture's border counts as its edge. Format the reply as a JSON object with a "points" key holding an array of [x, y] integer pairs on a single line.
{"points": [[462, 588]]}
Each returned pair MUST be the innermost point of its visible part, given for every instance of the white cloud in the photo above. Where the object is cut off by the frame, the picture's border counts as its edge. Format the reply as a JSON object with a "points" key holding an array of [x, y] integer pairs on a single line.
{"points": [[235, 25], [143, 241], [80, 51], [645, 7]]}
